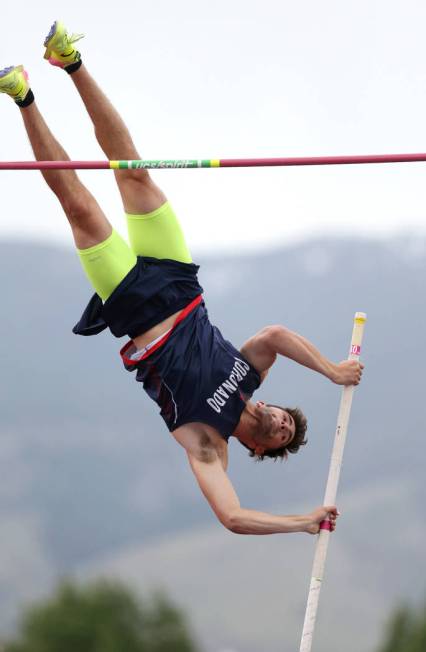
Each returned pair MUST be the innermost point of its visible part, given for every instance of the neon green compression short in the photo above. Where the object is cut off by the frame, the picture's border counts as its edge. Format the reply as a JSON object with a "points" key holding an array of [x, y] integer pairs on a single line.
{"points": [[157, 234]]}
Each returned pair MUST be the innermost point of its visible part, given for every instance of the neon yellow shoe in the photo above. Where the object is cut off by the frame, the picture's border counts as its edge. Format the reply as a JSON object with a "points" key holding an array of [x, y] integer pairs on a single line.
{"points": [[59, 46], [14, 82]]}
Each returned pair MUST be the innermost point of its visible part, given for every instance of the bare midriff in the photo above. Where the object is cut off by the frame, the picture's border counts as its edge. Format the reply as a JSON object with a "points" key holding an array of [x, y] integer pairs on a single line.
{"points": [[156, 331]]}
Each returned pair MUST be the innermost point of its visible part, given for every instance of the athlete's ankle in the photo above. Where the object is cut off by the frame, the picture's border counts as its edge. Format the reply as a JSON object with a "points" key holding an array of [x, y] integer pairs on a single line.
{"points": [[27, 101], [73, 67]]}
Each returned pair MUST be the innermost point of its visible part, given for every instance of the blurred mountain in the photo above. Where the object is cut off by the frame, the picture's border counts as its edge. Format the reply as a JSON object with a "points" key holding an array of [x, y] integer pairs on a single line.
{"points": [[93, 483]]}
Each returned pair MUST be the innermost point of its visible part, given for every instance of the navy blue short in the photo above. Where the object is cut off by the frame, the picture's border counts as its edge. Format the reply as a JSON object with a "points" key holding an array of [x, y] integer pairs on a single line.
{"points": [[152, 291]]}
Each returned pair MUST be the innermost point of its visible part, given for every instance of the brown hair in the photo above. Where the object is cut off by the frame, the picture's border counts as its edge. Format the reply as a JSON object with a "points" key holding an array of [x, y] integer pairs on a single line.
{"points": [[298, 440]]}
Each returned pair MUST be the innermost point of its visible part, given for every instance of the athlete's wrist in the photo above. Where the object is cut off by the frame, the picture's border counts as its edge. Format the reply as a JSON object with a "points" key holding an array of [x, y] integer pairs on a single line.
{"points": [[305, 523], [332, 371], [299, 523]]}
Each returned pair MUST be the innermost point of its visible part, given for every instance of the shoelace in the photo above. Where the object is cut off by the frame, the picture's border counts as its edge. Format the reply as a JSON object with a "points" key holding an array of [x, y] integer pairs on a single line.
{"points": [[67, 39], [73, 38]]}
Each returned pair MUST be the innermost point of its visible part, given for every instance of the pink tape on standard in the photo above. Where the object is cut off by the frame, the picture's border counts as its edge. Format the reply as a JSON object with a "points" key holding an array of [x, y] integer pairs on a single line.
{"points": [[325, 525], [355, 349]]}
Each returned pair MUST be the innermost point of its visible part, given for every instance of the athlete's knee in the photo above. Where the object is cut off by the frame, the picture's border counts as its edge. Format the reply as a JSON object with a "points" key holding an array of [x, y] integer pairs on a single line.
{"points": [[139, 193], [86, 236], [88, 222], [139, 177], [79, 209]]}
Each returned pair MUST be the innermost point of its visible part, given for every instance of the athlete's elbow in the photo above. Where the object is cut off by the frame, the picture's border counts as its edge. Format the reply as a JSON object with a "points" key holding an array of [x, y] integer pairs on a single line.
{"points": [[233, 523], [273, 336], [278, 333]]}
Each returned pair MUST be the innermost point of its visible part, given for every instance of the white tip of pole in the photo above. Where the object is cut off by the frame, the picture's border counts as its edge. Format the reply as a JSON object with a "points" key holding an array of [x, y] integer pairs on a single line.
{"points": [[360, 316]]}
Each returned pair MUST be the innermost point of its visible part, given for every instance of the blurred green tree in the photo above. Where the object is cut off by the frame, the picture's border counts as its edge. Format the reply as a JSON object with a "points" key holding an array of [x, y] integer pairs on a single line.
{"points": [[406, 631], [102, 617]]}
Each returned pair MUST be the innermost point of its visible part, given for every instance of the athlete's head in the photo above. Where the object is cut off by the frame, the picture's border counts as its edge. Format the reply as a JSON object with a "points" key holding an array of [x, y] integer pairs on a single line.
{"points": [[276, 431]]}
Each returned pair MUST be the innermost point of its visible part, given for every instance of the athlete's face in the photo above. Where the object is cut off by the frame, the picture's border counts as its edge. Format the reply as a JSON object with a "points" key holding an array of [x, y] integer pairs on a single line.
{"points": [[277, 427]]}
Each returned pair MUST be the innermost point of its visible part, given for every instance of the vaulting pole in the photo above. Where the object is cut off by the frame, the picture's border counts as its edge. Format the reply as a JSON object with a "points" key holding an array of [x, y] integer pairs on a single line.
{"points": [[212, 163], [331, 490]]}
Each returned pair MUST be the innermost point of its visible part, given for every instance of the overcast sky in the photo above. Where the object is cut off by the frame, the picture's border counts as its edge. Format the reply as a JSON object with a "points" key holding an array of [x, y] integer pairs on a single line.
{"points": [[196, 79]]}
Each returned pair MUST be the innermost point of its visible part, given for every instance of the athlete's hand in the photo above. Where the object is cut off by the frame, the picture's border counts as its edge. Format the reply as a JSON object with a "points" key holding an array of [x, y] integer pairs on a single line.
{"points": [[348, 372], [320, 514]]}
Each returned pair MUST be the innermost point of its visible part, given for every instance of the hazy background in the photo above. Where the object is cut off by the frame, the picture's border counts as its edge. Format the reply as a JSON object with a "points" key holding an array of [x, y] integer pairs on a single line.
{"points": [[92, 483]]}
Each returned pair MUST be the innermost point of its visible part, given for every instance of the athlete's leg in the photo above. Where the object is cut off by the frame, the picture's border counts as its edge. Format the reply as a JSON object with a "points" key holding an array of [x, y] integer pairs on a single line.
{"points": [[88, 223], [153, 227], [104, 255], [139, 193], [106, 258]]}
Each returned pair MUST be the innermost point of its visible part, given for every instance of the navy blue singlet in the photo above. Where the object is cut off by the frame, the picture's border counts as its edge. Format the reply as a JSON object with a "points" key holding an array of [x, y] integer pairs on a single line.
{"points": [[198, 376]]}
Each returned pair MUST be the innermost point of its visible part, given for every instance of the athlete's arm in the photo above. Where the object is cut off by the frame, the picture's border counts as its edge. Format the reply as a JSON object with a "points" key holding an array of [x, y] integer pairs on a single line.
{"points": [[221, 495], [262, 350]]}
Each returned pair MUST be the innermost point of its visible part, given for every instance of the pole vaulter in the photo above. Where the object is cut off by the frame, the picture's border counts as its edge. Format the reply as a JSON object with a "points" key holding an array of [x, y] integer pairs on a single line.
{"points": [[147, 288]]}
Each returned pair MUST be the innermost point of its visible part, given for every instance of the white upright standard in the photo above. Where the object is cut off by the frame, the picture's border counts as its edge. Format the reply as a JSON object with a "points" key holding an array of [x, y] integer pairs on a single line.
{"points": [[331, 490]]}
